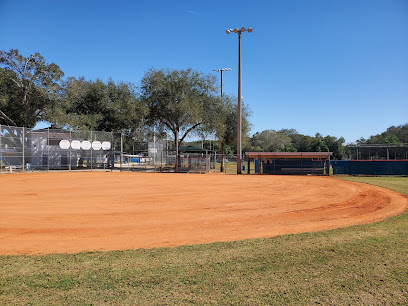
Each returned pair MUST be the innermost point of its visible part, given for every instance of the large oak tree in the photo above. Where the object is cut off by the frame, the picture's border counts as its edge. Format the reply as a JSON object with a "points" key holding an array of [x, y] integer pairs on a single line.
{"points": [[180, 101], [29, 88], [100, 106]]}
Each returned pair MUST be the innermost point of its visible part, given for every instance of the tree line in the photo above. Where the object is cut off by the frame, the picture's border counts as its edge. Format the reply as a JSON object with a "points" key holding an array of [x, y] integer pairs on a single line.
{"points": [[393, 135], [179, 103]]}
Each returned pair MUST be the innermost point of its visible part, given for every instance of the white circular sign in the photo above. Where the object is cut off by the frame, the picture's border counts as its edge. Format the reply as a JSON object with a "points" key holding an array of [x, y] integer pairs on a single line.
{"points": [[106, 145], [96, 145], [64, 144], [76, 145], [86, 145]]}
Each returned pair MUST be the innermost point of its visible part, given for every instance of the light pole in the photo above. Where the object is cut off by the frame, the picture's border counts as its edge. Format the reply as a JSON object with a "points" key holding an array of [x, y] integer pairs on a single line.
{"points": [[222, 142], [239, 151], [222, 70]]}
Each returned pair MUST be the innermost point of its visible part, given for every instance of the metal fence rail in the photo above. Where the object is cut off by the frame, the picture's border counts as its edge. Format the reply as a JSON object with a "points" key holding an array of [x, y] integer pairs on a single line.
{"points": [[166, 162], [23, 149], [377, 151]]}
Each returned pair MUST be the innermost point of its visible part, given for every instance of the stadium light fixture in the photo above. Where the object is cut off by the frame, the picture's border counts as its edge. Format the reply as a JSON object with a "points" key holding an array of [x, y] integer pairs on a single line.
{"points": [[239, 150]]}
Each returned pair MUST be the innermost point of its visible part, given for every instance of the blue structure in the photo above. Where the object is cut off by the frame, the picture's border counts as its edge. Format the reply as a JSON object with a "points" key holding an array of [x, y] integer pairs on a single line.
{"points": [[370, 167]]}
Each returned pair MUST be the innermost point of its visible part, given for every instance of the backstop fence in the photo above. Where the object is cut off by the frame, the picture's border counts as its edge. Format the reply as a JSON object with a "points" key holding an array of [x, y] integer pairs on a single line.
{"points": [[24, 149]]}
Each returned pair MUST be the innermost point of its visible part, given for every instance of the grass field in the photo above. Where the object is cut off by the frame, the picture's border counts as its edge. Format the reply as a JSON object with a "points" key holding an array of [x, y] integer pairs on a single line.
{"points": [[365, 264], [231, 167]]}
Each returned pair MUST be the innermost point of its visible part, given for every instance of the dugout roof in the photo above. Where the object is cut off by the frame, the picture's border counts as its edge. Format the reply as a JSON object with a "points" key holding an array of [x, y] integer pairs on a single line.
{"points": [[297, 155]]}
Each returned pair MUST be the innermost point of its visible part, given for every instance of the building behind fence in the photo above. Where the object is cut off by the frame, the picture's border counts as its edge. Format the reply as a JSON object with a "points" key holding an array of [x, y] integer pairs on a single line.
{"points": [[25, 149]]}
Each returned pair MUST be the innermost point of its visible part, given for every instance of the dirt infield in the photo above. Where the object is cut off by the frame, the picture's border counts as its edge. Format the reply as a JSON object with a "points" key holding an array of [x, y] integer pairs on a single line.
{"points": [[73, 212]]}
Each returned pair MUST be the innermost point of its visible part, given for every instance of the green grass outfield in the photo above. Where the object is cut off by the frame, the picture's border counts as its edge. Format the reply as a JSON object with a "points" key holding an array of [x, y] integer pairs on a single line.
{"points": [[357, 265], [231, 168]]}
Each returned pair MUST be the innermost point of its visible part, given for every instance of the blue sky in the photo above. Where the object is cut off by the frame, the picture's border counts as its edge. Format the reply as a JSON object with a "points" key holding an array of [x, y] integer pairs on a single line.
{"points": [[337, 67]]}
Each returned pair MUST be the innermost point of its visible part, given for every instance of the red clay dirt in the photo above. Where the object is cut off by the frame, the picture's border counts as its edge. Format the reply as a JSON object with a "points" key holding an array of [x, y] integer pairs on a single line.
{"points": [[73, 212]]}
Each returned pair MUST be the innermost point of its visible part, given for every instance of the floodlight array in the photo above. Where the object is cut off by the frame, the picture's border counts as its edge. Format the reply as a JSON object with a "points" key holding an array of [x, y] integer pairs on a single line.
{"points": [[223, 69], [243, 29]]}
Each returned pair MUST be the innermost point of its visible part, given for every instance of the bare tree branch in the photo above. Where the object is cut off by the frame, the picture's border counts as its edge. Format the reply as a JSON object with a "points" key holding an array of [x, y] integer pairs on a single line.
{"points": [[168, 124], [13, 64], [19, 85], [188, 131], [5, 117]]}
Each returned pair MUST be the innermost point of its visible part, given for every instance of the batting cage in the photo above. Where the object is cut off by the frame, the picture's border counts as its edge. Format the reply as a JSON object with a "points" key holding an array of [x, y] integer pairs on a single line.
{"points": [[299, 163]]}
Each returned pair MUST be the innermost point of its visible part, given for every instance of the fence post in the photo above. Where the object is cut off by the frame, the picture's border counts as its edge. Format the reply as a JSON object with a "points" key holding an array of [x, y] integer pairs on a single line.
{"points": [[206, 162], [112, 154], [48, 149], [259, 164], [274, 165], [121, 150], [91, 151], [69, 152], [1, 154], [23, 145], [215, 161]]}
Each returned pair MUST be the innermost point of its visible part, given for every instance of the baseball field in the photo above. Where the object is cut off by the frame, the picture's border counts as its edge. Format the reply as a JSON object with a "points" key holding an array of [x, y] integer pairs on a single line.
{"points": [[355, 265], [90, 211]]}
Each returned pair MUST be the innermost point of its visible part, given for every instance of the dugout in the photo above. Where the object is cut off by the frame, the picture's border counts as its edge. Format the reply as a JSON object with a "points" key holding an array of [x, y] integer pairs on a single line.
{"points": [[317, 163]]}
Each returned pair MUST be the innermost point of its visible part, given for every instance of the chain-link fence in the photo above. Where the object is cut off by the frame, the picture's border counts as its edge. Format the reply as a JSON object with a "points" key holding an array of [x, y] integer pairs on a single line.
{"points": [[24, 149], [227, 164], [377, 151], [165, 161]]}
